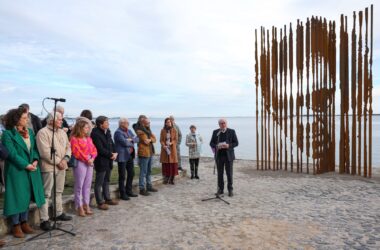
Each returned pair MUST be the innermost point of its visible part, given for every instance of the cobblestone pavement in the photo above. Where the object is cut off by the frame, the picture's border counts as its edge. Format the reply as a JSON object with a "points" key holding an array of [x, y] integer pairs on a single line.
{"points": [[270, 210]]}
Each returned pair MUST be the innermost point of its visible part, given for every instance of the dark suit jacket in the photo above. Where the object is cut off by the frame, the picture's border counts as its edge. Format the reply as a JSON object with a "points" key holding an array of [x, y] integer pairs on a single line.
{"points": [[231, 139], [36, 122], [105, 146]]}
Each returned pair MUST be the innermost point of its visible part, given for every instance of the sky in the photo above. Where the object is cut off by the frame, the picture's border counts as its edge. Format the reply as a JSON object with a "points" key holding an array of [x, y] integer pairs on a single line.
{"points": [[156, 57]]}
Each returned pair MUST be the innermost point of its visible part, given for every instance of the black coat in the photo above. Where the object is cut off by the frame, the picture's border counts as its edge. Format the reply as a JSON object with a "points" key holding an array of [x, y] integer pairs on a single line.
{"points": [[3, 152], [231, 139], [105, 146], [36, 123]]}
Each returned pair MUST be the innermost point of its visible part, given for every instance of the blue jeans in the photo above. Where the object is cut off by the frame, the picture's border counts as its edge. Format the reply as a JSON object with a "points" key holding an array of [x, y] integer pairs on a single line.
{"points": [[18, 218], [145, 171]]}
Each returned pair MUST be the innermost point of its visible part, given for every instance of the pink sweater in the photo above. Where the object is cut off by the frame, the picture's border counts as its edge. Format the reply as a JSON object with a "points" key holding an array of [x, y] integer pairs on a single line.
{"points": [[83, 149]]}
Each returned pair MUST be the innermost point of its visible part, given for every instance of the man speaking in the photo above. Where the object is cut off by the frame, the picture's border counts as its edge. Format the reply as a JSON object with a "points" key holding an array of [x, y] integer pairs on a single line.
{"points": [[223, 142]]}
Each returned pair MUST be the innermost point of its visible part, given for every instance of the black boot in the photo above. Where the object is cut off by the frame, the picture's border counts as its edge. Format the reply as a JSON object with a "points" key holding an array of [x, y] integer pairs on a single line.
{"points": [[196, 172], [192, 171], [171, 180]]}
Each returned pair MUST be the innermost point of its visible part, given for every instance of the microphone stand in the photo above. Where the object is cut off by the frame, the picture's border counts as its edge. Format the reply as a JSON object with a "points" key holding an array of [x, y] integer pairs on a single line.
{"points": [[216, 161], [52, 155]]}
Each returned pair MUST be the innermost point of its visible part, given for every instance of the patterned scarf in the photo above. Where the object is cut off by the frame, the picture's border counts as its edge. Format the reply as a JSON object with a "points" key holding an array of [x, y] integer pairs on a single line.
{"points": [[23, 132]]}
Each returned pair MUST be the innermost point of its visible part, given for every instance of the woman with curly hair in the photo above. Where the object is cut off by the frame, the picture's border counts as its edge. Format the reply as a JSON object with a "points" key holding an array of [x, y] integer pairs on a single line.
{"points": [[23, 180]]}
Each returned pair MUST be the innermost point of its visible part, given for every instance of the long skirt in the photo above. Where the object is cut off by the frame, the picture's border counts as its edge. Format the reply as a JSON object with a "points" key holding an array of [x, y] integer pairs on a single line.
{"points": [[169, 169]]}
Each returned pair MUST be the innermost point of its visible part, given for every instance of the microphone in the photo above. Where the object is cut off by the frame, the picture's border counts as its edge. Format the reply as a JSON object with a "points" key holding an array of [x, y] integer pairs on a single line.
{"points": [[56, 99]]}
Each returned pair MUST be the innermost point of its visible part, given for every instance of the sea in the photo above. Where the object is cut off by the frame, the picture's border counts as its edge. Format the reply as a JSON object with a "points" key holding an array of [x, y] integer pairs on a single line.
{"points": [[245, 128]]}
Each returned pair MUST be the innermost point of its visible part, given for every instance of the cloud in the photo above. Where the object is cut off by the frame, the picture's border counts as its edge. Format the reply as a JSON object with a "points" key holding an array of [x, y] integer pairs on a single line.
{"points": [[181, 57]]}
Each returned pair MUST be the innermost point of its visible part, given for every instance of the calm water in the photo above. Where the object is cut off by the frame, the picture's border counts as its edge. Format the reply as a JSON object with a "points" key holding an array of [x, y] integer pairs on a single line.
{"points": [[245, 128]]}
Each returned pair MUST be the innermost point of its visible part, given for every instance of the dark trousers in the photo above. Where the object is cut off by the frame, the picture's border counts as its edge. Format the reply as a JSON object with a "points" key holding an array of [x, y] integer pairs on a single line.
{"points": [[194, 166], [222, 163], [129, 169], [102, 183]]}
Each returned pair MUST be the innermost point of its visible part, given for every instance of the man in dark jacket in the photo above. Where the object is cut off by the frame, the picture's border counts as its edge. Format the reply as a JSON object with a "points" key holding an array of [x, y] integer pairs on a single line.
{"points": [[102, 138], [223, 142], [34, 122]]}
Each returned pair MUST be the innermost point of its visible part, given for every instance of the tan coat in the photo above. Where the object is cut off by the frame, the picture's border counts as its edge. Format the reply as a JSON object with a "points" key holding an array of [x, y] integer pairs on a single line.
{"points": [[164, 157], [143, 148], [61, 144]]}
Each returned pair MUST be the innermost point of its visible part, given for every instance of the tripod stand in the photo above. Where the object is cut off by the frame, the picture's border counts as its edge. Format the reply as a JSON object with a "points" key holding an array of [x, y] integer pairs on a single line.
{"points": [[52, 155], [217, 195]]}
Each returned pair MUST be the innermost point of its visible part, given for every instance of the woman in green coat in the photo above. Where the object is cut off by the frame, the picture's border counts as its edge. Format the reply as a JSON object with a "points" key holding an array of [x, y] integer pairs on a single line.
{"points": [[23, 181]]}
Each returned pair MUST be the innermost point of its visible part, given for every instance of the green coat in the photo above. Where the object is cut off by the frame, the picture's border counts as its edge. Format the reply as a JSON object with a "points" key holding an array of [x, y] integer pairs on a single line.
{"points": [[20, 183]]}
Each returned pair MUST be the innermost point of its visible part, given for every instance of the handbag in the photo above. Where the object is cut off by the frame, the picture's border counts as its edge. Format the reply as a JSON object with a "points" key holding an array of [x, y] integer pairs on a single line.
{"points": [[72, 162]]}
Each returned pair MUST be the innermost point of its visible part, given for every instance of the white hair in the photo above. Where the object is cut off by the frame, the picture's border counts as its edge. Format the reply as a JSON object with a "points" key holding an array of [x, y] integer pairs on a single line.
{"points": [[50, 117], [122, 120], [222, 120], [60, 109]]}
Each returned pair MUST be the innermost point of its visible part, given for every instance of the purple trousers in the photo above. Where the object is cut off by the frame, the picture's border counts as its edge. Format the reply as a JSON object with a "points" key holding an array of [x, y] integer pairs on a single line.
{"points": [[82, 184]]}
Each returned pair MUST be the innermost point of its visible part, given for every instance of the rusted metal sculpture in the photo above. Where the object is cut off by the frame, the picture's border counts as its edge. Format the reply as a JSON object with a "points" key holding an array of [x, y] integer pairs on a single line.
{"points": [[370, 87], [315, 51], [257, 102], [353, 94], [360, 89], [307, 54], [291, 101], [285, 58], [366, 87]]}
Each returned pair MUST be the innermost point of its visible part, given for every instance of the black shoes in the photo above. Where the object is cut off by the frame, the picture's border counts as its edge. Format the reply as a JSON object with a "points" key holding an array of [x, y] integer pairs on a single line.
{"points": [[151, 189], [132, 194], [230, 193], [45, 226], [220, 192], [192, 177], [124, 197], [197, 177], [64, 217], [144, 192]]}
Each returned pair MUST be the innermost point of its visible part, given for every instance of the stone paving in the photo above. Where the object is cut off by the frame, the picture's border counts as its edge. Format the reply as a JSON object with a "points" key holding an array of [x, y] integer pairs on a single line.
{"points": [[270, 210]]}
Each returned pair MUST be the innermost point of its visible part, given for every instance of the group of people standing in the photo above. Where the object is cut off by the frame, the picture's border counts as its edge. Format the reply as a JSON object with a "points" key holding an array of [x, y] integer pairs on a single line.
{"points": [[31, 160]]}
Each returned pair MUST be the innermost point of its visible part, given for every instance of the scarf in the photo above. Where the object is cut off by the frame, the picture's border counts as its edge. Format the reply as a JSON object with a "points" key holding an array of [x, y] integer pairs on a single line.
{"points": [[23, 131], [146, 130], [168, 135]]}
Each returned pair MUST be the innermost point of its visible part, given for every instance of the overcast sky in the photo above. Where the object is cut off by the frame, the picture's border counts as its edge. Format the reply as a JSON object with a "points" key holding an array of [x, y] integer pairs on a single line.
{"points": [[126, 57]]}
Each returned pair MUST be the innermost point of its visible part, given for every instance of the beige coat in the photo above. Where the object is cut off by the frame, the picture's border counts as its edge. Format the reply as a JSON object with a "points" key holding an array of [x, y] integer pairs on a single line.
{"points": [[61, 144], [164, 157]]}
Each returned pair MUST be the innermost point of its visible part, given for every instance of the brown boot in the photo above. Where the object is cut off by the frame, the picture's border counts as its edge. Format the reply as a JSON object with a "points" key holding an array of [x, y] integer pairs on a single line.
{"points": [[81, 212], [26, 228], [2, 243], [112, 202], [87, 210], [17, 232], [103, 206]]}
